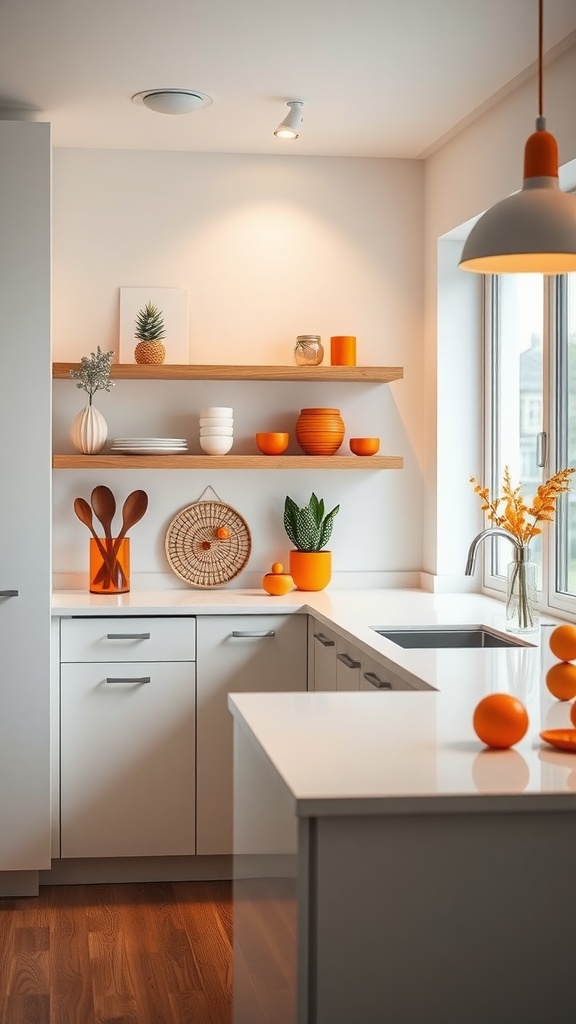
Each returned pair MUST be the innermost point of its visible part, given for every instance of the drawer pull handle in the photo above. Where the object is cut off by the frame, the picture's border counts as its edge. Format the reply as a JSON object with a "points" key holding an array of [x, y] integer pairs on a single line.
{"points": [[348, 661], [380, 684], [127, 636], [243, 633], [8, 593], [323, 640], [128, 679]]}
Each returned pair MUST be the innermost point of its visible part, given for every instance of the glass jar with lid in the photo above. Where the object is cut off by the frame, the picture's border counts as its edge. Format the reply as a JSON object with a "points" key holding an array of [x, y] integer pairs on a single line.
{"points": [[308, 350]]}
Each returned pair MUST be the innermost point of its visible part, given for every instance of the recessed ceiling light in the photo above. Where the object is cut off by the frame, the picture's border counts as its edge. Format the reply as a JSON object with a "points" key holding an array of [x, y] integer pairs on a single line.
{"points": [[172, 101]]}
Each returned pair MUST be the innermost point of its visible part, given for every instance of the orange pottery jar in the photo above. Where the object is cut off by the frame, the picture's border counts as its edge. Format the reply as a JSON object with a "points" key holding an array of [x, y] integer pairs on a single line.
{"points": [[320, 431], [311, 570], [343, 350]]}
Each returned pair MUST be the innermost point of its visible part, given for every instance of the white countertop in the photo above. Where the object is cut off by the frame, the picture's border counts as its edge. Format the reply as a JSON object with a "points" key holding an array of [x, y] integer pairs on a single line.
{"points": [[390, 751]]}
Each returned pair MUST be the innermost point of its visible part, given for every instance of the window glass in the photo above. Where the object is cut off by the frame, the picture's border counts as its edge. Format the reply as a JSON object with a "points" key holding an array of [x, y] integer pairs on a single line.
{"points": [[565, 391]]}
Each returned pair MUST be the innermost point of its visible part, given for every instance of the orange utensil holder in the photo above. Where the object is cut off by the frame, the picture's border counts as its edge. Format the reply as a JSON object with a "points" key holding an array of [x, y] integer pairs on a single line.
{"points": [[109, 566]]}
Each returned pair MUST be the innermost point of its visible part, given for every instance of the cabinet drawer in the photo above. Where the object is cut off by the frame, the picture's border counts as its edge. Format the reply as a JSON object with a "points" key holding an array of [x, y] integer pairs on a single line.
{"points": [[129, 638]]}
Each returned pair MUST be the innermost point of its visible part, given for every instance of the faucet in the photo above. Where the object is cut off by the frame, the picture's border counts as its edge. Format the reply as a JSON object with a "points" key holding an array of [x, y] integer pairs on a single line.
{"points": [[492, 531]]}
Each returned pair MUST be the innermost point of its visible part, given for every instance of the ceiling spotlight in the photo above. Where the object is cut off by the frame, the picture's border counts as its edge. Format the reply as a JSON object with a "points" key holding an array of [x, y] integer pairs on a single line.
{"points": [[172, 101], [289, 128], [533, 230]]}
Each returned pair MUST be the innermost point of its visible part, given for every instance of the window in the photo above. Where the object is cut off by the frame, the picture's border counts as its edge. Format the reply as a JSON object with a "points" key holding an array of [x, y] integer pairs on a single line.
{"points": [[530, 371]]}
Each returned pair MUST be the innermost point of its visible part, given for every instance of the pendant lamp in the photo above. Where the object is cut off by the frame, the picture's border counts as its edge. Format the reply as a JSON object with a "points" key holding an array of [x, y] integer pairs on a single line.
{"points": [[532, 231]]}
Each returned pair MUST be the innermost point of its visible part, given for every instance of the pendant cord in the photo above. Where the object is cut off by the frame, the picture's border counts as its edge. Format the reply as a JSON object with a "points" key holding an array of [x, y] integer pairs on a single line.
{"points": [[540, 52]]}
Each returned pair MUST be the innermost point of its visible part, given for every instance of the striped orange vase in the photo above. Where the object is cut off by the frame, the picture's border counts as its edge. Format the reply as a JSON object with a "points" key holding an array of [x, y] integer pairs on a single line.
{"points": [[320, 431]]}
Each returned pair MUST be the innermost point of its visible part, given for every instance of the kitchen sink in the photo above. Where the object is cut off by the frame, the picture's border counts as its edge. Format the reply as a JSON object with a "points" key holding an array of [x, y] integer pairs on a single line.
{"points": [[449, 636]]}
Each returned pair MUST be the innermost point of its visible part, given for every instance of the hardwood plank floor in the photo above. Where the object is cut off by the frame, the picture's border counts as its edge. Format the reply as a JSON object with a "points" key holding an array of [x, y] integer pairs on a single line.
{"points": [[153, 953]]}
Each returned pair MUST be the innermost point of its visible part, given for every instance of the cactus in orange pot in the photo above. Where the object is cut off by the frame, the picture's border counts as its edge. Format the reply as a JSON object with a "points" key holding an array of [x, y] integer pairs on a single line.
{"points": [[309, 529]]}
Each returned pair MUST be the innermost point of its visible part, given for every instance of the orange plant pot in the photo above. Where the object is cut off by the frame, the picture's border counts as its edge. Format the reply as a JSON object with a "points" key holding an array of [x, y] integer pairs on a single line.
{"points": [[110, 575], [320, 431], [311, 570]]}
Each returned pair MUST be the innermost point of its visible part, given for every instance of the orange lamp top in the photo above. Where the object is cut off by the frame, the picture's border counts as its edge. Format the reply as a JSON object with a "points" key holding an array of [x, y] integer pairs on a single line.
{"points": [[541, 156]]}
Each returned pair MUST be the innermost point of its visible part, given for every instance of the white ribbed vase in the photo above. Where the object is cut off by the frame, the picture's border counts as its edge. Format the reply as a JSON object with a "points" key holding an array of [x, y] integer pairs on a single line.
{"points": [[89, 431]]}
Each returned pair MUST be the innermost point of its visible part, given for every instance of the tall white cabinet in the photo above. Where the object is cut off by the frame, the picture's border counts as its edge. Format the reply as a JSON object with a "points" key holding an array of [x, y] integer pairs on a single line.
{"points": [[25, 478]]}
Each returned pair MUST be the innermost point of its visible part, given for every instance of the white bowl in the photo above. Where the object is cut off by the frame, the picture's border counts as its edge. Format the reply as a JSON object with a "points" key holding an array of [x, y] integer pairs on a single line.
{"points": [[216, 421], [216, 431], [217, 410], [216, 445]]}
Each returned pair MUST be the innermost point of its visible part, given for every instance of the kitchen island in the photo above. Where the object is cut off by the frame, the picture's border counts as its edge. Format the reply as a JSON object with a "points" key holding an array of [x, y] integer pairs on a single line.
{"points": [[404, 873]]}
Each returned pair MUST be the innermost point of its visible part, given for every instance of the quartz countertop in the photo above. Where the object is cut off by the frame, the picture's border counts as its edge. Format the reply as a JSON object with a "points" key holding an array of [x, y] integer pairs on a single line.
{"points": [[390, 750]]}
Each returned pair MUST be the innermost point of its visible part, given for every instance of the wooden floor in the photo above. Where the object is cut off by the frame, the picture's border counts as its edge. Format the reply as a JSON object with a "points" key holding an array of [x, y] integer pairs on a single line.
{"points": [[154, 953]]}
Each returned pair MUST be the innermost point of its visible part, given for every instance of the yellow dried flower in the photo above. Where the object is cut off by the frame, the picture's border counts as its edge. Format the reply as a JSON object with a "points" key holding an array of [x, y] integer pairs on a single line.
{"points": [[515, 514]]}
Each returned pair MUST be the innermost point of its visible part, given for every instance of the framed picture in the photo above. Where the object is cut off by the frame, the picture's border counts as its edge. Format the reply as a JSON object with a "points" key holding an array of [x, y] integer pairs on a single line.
{"points": [[173, 304]]}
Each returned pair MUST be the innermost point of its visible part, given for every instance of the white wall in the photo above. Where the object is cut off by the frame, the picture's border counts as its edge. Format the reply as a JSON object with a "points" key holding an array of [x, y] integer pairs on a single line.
{"points": [[478, 167], [269, 247]]}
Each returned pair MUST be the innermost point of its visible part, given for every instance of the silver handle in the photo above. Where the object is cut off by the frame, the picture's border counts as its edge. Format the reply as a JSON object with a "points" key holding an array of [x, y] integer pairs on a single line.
{"points": [[348, 661], [380, 684], [241, 633], [8, 593], [127, 636], [323, 640], [128, 679], [541, 448]]}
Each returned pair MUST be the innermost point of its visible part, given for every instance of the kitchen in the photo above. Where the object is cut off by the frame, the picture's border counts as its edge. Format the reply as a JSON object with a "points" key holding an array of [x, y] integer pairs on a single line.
{"points": [[396, 287]]}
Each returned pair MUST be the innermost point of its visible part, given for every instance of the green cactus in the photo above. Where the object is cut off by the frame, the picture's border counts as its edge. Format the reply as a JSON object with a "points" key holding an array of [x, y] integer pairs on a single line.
{"points": [[308, 528], [149, 323]]}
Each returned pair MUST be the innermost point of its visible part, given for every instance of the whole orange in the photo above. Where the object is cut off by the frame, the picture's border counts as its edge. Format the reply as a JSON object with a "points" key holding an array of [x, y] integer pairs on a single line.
{"points": [[500, 720], [563, 642], [561, 680]]}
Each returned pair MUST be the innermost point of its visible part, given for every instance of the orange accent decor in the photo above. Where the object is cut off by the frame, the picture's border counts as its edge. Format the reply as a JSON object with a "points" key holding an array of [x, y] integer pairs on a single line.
{"points": [[364, 445], [277, 582], [343, 350], [311, 570], [272, 443], [320, 431], [110, 575], [541, 156]]}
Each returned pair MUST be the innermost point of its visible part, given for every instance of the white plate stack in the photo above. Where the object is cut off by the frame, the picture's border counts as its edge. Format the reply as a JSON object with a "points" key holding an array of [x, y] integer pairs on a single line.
{"points": [[216, 429], [149, 446]]}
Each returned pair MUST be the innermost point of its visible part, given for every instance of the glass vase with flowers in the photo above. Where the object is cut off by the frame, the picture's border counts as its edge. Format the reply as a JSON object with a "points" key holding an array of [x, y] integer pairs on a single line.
{"points": [[520, 523]]}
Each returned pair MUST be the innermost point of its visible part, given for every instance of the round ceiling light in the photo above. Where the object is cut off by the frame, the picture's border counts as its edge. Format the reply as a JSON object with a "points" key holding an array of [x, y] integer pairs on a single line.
{"points": [[172, 101]]}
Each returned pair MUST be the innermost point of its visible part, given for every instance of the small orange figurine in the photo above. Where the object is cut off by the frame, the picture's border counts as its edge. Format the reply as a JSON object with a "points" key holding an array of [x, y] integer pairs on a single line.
{"points": [[277, 582]]}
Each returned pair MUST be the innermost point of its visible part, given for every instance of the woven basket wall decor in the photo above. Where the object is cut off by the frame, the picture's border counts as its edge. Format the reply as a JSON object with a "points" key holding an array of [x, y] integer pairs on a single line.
{"points": [[208, 544]]}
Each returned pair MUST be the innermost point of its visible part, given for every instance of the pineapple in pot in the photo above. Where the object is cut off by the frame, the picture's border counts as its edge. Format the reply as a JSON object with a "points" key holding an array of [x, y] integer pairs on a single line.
{"points": [[149, 330]]}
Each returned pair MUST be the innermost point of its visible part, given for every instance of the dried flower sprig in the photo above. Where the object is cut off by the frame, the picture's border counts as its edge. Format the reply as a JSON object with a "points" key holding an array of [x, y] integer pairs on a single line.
{"points": [[516, 513], [94, 372]]}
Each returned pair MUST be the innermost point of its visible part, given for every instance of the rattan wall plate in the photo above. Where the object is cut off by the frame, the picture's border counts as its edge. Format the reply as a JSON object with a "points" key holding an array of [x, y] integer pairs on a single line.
{"points": [[196, 552]]}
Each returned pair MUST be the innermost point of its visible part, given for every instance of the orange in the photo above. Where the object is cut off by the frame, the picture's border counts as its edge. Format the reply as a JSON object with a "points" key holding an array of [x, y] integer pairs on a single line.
{"points": [[223, 533], [561, 680], [500, 720], [563, 642]]}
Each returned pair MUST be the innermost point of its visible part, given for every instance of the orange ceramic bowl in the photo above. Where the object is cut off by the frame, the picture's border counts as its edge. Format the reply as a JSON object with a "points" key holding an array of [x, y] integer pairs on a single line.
{"points": [[364, 445], [272, 444]]}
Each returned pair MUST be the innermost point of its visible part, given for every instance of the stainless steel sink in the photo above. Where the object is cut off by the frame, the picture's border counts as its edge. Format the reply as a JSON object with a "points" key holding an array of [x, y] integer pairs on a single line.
{"points": [[450, 636]]}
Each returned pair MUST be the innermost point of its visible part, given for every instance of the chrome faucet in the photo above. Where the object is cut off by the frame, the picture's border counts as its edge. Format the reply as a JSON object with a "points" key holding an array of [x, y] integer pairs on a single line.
{"points": [[492, 531]]}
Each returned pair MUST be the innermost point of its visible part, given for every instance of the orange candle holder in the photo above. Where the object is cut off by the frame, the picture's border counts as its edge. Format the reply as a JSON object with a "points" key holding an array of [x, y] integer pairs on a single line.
{"points": [[343, 350], [109, 566]]}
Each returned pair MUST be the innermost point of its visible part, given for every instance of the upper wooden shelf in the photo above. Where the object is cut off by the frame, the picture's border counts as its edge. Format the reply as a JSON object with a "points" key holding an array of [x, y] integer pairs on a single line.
{"points": [[104, 461], [144, 371]]}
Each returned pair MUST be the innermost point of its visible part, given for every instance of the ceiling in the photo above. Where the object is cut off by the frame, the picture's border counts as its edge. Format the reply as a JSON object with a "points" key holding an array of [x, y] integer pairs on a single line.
{"points": [[380, 78]]}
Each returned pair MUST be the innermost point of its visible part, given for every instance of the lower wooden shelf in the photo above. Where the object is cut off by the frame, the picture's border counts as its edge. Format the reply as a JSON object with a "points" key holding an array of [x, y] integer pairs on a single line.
{"points": [[372, 462]]}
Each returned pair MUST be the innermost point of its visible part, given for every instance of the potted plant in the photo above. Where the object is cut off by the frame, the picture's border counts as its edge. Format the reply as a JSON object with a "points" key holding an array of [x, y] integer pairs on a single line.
{"points": [[150, 330], [89, 429], [309, 529]]}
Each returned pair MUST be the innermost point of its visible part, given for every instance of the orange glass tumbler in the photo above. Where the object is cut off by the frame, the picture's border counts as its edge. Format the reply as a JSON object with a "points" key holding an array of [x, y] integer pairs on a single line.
{"points": [[109, 566], [343, 350]]}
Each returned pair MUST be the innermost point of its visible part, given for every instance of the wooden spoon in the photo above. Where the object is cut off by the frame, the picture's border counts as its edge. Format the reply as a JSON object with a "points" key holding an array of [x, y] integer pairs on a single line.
{"points": [[104, 506], [132, 511], [84, 513]]}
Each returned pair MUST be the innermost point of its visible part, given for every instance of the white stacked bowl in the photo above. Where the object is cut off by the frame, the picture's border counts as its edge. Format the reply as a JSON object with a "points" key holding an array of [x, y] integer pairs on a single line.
{"points": [[216, 429]]}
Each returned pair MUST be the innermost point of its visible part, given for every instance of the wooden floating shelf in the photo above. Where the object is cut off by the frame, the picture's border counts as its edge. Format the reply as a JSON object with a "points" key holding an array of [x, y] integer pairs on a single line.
{"points": [[141, 371], [372, 462]]}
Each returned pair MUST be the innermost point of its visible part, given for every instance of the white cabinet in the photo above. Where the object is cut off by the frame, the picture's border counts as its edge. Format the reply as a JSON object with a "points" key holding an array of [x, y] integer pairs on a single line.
{"points": [[348, 665], [374, 676], [236, 653], [127, 743], [25, 156]]}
